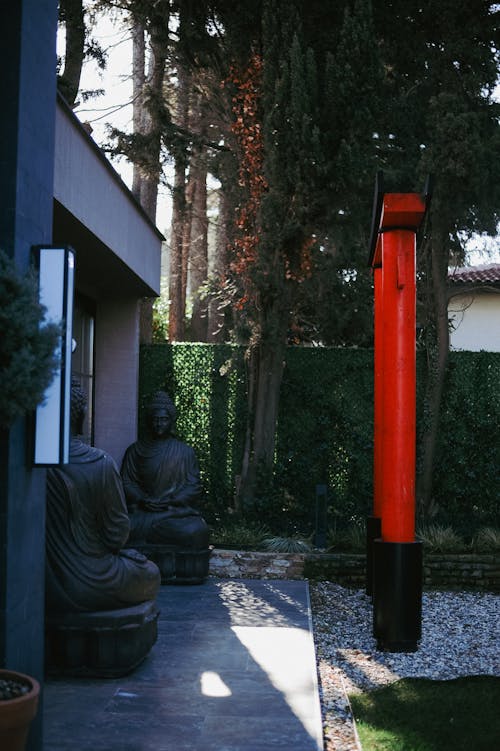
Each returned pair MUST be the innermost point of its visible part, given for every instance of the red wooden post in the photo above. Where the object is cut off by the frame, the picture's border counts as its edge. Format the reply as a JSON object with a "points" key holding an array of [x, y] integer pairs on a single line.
{"points": [[395, 326], [395, 558], [374, 522], [399, 384], [378, 388]]}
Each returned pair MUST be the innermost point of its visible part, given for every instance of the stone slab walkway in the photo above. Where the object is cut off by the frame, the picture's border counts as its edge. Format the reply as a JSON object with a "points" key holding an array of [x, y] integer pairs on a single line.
{"points": [[233, 669]]}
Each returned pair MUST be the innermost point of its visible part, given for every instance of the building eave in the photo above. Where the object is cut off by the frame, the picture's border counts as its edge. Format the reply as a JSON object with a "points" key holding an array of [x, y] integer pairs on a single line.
{"points": [[118, 247]]}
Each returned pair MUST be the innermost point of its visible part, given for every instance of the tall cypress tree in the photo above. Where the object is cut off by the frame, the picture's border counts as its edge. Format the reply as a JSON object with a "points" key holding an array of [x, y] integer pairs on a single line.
{"points": [[290, 165], [443, 121], [317, 112]]}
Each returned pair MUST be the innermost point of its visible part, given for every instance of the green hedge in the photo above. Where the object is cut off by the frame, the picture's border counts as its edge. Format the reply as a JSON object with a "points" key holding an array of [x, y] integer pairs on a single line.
{"points": [[325, 430], [467, 474], [207, 383]]}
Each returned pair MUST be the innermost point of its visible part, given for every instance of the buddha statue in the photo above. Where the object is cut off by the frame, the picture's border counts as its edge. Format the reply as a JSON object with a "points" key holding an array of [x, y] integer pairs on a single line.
{"points": [[161, 479], [87, 529]]}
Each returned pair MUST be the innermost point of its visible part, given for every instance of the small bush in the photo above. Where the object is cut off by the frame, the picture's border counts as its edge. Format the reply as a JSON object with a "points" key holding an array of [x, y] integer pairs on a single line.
{"points": [[352, 538], [487, 539], [440, 539], [27, 344], [239, 533], [286, 545]]}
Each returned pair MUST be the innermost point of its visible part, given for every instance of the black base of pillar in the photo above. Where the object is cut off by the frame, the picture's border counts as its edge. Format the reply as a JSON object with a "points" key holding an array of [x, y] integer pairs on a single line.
{"points": [[397, 595], [373, 532]]}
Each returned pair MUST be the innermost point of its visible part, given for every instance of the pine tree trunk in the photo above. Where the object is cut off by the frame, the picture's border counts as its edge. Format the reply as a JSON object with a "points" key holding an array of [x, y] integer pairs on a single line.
{"points": [[269, 377], [147, 94], [148, 102], [154, 85], [138, 81], [176, 311], [69, 82], [177, 293], [199, 249], [267, 361], [215, 329], [186, 237]]}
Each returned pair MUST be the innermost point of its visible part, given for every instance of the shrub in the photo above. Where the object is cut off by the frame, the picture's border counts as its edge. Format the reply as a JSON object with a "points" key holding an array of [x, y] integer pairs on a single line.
{"points": [[351, 538], [440, 539], [27, 345], [487, 539], [286, 545], [239, 533]]}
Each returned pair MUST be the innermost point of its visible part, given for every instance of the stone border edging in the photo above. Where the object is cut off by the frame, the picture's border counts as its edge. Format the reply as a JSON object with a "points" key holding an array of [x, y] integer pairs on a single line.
{"points": [[478, 571]]}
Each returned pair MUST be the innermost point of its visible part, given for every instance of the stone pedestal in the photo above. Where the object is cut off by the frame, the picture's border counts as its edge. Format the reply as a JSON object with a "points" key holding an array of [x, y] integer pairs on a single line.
{"points": [[178, 566], [105, 644]]}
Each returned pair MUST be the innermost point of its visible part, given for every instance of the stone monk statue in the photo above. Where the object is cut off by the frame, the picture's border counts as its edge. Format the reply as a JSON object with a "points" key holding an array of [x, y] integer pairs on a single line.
{"points": [[162, 486], [87, 527]]}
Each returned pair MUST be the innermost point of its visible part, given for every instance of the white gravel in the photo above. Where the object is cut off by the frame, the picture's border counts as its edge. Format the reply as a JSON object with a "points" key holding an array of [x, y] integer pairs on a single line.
{"points": [[460, 636]]}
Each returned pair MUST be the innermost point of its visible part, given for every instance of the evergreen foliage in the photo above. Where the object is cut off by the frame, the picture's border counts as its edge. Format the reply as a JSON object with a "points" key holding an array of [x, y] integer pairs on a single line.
{"points": [[467, 452], [27, 345]]}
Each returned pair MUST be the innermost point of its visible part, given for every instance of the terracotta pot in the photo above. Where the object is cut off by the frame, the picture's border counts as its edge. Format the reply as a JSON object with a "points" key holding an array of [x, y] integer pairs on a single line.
{"points": [[16, 714]]}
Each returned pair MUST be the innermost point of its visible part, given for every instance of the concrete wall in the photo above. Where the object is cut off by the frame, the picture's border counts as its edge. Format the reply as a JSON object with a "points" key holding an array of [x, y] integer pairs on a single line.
{"points": [[117, 374], [118, 257], [28, 92], [475, 318]]}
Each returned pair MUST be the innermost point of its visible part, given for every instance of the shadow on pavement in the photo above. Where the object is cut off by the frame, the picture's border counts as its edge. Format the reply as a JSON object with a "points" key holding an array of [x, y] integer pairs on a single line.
{"points": [[233, 670]]}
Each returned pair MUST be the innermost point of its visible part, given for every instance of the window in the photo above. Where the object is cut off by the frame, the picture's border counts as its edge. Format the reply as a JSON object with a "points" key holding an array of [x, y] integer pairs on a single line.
{"points": [[82, 361]]}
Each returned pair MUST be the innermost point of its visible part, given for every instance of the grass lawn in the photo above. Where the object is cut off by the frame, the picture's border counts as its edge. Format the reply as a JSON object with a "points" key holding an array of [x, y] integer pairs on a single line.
{"points": [[417, 714]]}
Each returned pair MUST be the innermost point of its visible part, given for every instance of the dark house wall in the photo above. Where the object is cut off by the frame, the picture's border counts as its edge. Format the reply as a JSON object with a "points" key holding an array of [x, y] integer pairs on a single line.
{"points": [[28, 96]]}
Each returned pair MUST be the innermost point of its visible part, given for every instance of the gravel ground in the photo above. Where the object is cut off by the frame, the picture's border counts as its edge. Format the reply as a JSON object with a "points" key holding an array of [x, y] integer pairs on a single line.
{"points": [[460, 636]]}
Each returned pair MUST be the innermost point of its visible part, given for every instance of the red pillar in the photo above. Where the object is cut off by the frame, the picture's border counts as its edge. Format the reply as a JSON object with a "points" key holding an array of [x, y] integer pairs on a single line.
{"points": [[378, 406], [398, 406], [393, 556], [393, 261], [374, 522]]}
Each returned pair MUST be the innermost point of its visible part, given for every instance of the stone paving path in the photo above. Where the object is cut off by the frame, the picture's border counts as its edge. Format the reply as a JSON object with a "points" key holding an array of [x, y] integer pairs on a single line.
{"points": [[233, 670]]}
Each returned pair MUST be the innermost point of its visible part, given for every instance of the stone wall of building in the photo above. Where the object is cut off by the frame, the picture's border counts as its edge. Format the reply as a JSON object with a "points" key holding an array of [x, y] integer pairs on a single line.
{"points": [[447, 571]]}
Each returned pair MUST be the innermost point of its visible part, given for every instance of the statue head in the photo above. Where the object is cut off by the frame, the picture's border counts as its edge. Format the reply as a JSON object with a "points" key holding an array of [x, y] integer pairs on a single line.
{"points": [[161, 415], [78, 407]]}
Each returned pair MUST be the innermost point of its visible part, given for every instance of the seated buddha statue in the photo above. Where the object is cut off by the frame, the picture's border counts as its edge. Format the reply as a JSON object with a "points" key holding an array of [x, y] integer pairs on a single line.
{"points": [[161, 479], [87, 527]]}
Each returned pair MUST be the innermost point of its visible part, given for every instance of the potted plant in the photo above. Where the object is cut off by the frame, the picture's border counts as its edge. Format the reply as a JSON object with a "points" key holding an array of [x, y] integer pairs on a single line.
{"points": [[18, 706], [28, 344]]}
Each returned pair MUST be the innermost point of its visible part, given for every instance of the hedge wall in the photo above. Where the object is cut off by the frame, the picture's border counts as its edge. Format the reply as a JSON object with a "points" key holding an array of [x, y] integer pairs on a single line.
{"points": [[325, 428], [467, 474]]}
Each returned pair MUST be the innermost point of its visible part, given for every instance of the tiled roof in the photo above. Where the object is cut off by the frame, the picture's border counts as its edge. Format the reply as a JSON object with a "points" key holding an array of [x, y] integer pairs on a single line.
{"points": [[486, 274]]}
